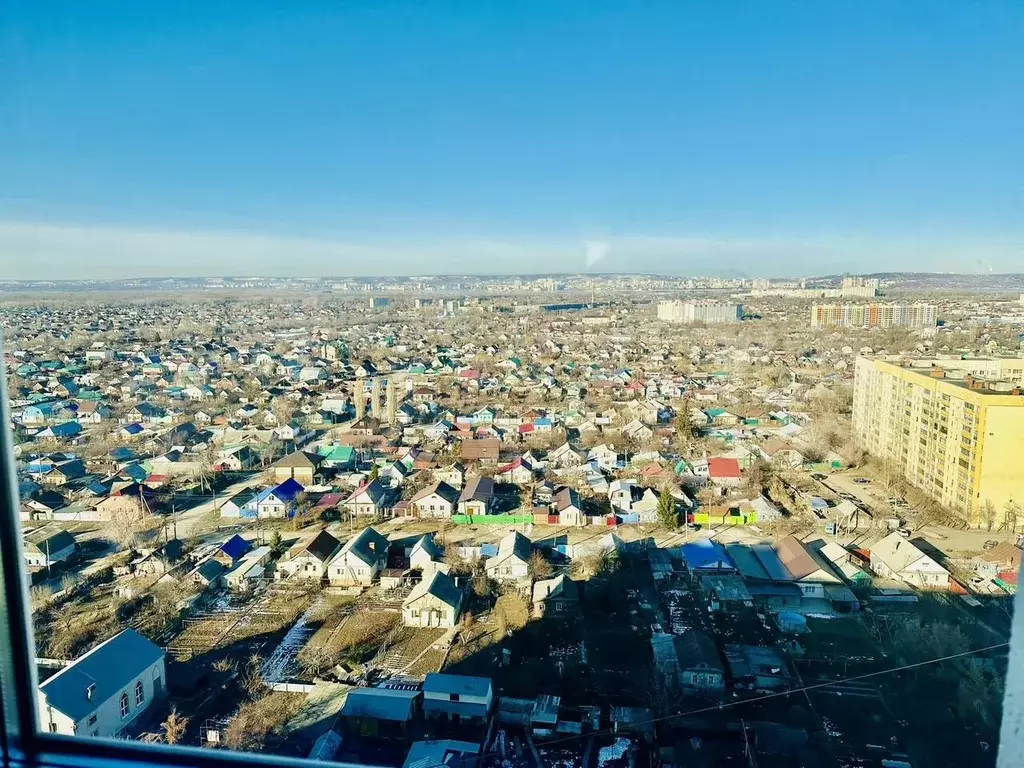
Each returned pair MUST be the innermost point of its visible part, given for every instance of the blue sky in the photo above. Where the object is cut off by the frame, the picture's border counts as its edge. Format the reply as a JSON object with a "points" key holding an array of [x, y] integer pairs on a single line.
{"points": [[343, 137]]}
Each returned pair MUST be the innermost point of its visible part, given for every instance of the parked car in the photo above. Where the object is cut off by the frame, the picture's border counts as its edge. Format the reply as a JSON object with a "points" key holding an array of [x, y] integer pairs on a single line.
{"points": [[819, 476], [990, 544], [861, 480], [904, 532]]}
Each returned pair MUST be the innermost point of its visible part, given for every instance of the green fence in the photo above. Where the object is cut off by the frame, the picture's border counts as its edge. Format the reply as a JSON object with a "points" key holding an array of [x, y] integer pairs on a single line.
{"points": [[492, 519]]}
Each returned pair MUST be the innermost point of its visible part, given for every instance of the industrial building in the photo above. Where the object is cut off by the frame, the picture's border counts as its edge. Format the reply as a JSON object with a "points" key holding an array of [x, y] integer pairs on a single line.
{"points": [[954, 427], [699, 312], [874, 315]]}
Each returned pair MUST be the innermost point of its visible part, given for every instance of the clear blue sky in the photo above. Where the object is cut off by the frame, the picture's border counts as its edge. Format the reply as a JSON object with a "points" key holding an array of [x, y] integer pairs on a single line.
{"points": [[380, 137]]}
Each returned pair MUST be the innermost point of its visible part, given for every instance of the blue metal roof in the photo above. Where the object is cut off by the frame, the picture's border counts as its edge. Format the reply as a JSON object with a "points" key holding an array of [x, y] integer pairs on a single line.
{"points": [[111, 667], [380, 704], [705, 554], [235, 547]]}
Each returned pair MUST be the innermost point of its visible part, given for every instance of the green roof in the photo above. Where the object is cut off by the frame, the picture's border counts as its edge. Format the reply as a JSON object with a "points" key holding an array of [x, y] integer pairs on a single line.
{"points": [[342, 453]]}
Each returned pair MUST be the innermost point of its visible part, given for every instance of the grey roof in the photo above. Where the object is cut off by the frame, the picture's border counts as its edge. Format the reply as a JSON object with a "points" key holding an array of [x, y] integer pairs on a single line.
{"points": [[513, 543], [560, 586], [210, 570], [368, 545], [323, 546], [55, 540], [111, 666], [441, 586], [446, 752], [442, 489], [380, 704], [478, 489], [465, 685], [694, 649]]}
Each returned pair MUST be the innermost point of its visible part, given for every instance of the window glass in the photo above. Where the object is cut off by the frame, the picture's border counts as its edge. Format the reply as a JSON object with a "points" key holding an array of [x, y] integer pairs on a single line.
{"points": [[681, 342]]}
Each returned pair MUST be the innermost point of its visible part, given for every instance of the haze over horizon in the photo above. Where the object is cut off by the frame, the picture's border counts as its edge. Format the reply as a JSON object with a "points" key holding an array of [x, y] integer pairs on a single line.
{"points": [[161, 139]]}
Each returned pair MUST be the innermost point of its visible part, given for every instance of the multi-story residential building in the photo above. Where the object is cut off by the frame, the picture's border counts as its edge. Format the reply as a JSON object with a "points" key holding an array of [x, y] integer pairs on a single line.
{"points": [[874, 315], [954, 427], [860, 286], [699, 312]]}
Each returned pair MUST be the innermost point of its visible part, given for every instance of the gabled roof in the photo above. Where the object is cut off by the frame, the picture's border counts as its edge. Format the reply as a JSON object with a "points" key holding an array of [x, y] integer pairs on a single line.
{"points": [[441, 586], [442, 489], [299, 459], [694, 649], [368, 545], [110, 667], [235, 547], [288, 490], [478, 489], [52, 541], [515, 544], [323, 546], [722, 467], [896, 552], [707, 554], [559, 587], [802, 562]]}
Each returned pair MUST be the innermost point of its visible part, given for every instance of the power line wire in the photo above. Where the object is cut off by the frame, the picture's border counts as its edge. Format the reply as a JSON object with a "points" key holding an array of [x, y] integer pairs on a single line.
{"points": [[777, 694]]}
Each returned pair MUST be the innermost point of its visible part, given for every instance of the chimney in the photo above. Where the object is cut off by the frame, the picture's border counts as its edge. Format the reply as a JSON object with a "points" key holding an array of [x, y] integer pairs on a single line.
{"points": [[90, 690], [938, 373]]}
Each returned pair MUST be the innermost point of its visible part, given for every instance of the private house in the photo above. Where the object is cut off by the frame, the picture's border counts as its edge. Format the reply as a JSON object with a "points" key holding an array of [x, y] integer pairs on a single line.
{"points": [[519, 472], [437, 500], [699, 665], [435, 752], [755, 668], [894, 557], [782, 454], [569, 507], [566, 456], [308, 560], [1001, 562], [379, 713], [512, 563], [250, 570], [427, 557], [360, 560], [434, 602], [605, 457], [105, 693], [841, 561], [45, 548], [557, 598], [455, 475], [242, 504], [484, 450], [457, 698], [281, 501], [807, 568], [371, 499], [705, 557], [724, 472], [232, 550], [477, 496], [301, 466]]}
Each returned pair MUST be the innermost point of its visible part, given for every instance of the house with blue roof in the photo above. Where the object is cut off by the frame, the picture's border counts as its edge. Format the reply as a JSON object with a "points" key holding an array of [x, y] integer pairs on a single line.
{"points": [[279, 501], [233, 550], [706, 557], [106, 693], [64, 431]]}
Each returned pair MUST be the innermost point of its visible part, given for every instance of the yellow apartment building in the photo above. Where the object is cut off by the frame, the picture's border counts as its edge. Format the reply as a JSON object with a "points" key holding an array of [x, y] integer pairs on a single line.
{"points": [[956, 427]]}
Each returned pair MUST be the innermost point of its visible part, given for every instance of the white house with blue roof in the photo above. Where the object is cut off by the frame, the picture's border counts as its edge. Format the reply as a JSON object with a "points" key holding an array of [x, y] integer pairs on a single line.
{"points": [[107, 691]]}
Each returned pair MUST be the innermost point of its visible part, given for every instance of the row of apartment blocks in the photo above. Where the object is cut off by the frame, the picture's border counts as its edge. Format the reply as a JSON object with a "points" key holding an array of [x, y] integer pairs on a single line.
{"points": [[955, 427], [874, 315], [699, 312]]}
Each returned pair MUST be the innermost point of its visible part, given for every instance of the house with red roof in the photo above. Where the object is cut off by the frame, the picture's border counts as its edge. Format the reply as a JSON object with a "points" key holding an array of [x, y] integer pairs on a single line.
{"points": [[723, 471]]}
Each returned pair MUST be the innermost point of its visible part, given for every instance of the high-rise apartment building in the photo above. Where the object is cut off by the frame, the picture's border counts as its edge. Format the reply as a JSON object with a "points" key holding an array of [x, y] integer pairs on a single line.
{"points": [[874, 315], [954, 427], [699, 312], [860, 286]]}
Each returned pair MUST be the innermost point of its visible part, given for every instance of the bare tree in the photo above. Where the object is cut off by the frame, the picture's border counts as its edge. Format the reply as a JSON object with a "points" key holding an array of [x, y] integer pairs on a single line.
{"points": [[174, 726], [540, 568], [127, 521], [251, 677]]}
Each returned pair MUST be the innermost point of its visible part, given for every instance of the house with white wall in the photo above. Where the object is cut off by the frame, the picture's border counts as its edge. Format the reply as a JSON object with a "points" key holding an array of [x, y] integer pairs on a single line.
{"points": [[107, 692]]}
